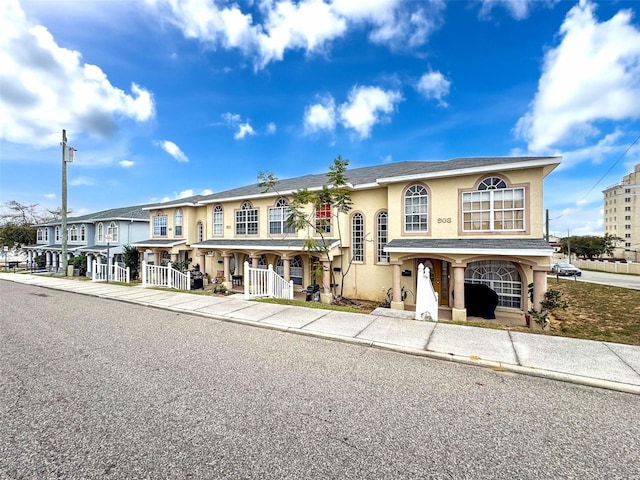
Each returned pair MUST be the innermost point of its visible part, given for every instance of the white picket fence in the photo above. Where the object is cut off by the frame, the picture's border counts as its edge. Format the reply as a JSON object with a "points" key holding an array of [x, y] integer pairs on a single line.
{"points": [[260, 282], [102, 273], [160, 276], [426, 296]]}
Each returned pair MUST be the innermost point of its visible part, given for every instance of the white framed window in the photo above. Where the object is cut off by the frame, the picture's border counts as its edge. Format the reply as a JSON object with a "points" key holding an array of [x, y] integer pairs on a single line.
{"points": [[502, 277], [493, 207], [382, 237], [83, 233], [416, 203], [177, 230], [57, 234], [100, 233], [112, 230], [73, 234], [247, 220], [278, 216], [295, 269], [323, 218], [160, 225], [200, 231], [357, 237], [217, 220], [40, 236]]}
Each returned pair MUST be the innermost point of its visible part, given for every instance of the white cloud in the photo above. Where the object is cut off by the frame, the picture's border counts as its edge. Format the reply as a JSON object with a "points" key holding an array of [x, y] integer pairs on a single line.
{"points": [[592, 75], [434, 85], [49, 195], [126, 163], [308, 25], [519, 9], [45, 87], [320, 116], [367, 106], [173, 150], [244, 129], [82, 181], [271, 128]]}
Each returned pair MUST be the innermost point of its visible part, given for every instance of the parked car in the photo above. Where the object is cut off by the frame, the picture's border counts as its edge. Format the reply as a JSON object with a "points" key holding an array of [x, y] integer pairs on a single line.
{"points": [[566, 269]]}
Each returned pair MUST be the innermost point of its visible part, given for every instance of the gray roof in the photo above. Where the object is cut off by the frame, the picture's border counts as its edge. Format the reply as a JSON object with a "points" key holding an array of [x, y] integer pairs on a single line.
{"points": [[471, 243], [192, 200], [134, 212], [370, 175]]}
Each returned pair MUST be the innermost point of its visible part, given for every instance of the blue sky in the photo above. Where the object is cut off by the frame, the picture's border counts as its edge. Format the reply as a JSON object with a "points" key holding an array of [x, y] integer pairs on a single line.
{"points": [[166, 98]]}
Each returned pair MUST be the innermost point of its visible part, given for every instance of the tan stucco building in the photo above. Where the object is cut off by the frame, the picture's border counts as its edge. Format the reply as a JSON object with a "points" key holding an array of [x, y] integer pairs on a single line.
{"points": [[471, 220], [622, 215]]}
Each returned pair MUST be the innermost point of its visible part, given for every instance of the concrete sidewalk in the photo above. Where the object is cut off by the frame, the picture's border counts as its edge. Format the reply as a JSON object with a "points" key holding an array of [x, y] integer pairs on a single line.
{"points": [[599, 364]]}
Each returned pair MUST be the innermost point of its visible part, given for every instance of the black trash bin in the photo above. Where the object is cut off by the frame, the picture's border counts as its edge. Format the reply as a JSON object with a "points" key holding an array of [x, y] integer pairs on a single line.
{"points": [[313, 293]]}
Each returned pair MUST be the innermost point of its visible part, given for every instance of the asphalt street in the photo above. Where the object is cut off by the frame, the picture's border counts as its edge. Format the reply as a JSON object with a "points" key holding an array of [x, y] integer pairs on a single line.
{"points": [[94, 388]]}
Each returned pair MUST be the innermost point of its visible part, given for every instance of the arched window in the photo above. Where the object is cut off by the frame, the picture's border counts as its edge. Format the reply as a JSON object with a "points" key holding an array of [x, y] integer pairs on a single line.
{"points": [[200, 232], [247, 220], [112, 230], [278, 216], [177, 223], [357, 237], [262, 262], [160, 225], [100, 233], [323, 218], [415, 209], [40, 237], [382, 229], [83, 233], [217, 220], [73, 234], [502, 277], [57, 234], [295, 269], [493, 207]]}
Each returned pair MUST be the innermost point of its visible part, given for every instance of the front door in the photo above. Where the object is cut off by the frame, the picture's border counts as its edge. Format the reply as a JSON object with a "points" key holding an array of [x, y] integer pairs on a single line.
{"points": [[439, 272]]}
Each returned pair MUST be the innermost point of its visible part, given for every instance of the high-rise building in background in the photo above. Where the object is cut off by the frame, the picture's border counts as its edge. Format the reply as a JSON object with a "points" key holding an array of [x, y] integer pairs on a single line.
{"points": [[622, 215]]}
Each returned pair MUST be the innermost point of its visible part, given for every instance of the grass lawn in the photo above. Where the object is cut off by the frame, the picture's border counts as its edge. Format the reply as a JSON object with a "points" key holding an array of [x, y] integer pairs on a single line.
{"points": [[597, 312]]}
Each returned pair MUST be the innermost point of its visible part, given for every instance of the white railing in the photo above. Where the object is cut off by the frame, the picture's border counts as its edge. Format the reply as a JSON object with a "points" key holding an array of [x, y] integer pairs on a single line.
{"points": [[103, 272], [159, 276], [265, 283], [426, 296]]}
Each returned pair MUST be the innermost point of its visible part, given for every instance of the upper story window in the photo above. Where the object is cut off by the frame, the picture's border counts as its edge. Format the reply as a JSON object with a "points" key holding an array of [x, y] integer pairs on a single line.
{"points": [[40, 236], [46, 234], [178, 223], [57, 234], [73, 234], [200, 231], [357, 237], [494, 207], [278, 216], [323, 218], [415, 209], [100, 233], [247, 220], [112, 231], [83, 233], [217, 220], [382, 228], [160, 225]]}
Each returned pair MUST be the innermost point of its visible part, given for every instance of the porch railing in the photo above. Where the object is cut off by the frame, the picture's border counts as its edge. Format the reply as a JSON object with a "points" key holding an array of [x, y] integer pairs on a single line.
{"points": [[426, 296], [266, 283], [101, 273], [161, 276]]}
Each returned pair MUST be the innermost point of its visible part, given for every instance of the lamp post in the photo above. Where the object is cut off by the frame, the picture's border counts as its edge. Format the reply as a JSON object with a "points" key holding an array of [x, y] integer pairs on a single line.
{"points": [[68, 155]]}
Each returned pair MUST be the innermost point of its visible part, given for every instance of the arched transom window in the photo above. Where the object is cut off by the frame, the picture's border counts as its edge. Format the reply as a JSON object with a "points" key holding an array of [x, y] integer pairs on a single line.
{"points": [[247, 220], [217, 220], [278, 216], [493, 207], [112, 231], [382, 237], [178, 223], [357, 237], [415, 209], [502, 277]]}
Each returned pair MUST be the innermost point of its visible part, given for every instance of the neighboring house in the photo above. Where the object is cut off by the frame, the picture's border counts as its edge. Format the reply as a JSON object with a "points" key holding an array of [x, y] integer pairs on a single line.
{"points": [[89, 235], [622, 215], [470, 220]]}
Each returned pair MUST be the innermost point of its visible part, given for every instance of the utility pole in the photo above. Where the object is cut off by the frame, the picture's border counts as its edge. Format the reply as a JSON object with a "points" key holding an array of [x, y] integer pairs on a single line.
{"points": [[68, 155], [569, 245]]}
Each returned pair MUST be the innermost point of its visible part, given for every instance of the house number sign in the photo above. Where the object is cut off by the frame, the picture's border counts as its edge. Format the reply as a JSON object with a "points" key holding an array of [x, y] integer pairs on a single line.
{"points": [[444, 220]]}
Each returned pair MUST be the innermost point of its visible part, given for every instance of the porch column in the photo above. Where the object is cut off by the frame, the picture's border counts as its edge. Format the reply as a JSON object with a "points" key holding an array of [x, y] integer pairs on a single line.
{"points": [[201, 259], [56, 261], [458, 312], [174, 257], [47, 255], [396, 301], [30, 258], [539, 289], [226, 258], [157, 258], [254, 261], [286, 267], [89, 264], [326, 296]]}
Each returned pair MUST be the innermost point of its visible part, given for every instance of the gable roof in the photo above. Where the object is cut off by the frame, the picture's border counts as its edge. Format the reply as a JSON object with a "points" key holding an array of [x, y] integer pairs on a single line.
{"points": [[369, 177], [134, 212]]}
